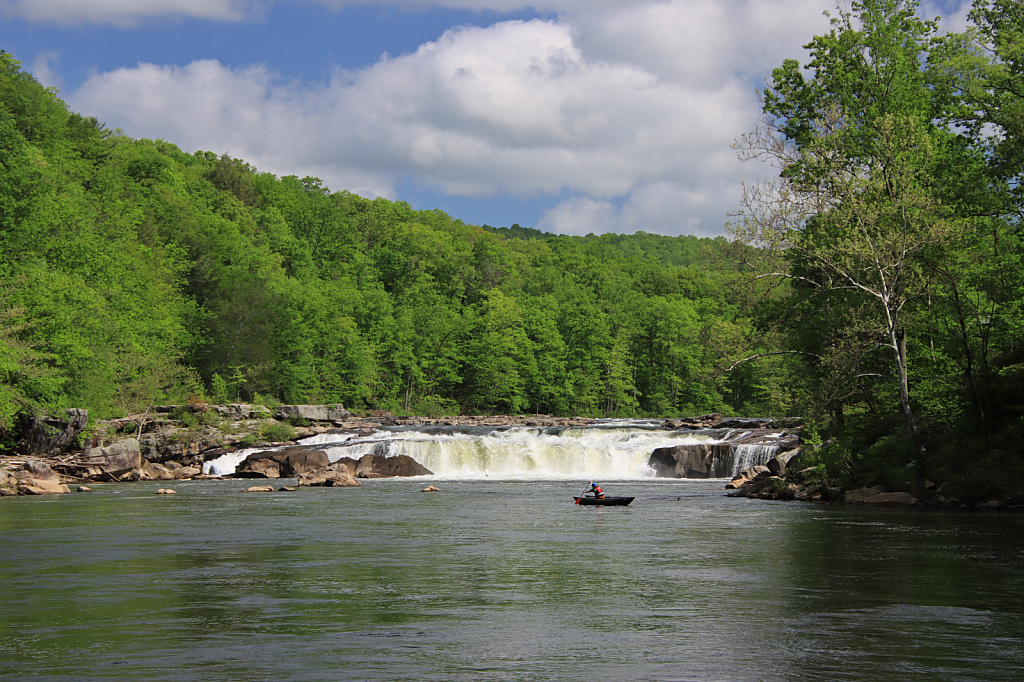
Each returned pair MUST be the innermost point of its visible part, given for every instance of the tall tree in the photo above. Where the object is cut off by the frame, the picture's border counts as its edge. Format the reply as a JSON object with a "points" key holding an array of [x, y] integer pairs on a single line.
{"points": [[854, 209]]}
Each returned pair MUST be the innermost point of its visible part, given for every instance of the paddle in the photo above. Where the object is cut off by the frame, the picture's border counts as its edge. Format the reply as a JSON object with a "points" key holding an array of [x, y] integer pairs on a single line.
{"points": [[581, 495]]}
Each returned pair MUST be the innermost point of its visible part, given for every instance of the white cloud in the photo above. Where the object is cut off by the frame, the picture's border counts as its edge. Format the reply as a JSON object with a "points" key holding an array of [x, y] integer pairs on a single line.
{"points": [[628, 108], [43, 69], [125, 12], [131, 12], [954, 15], [662, 207], [515, 108]]}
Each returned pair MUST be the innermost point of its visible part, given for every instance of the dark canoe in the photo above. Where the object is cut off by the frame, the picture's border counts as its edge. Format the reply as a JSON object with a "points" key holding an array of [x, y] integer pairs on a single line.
{"points": [[606, 502]]}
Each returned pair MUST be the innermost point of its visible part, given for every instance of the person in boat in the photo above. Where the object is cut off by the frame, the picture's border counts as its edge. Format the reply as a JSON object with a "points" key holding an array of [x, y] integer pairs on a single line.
{"points": [[596, 489]]}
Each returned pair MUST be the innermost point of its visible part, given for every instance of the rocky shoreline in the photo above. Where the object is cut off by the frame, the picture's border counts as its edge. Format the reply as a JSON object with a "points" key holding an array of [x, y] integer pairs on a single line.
{"points": [[172, 443], [772, 482]]}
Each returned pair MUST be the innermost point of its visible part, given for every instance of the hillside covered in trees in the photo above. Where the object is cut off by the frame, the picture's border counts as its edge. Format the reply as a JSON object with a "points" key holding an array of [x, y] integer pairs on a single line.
{"points": [[874, 287], [132, 271]]}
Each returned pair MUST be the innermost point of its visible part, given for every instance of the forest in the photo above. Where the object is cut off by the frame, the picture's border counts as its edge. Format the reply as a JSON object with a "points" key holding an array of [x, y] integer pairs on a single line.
{"points": [[873, 288]]}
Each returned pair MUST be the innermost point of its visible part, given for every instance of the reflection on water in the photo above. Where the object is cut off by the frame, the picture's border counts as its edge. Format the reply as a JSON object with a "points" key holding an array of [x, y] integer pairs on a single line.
{"points": [[500, 580]]}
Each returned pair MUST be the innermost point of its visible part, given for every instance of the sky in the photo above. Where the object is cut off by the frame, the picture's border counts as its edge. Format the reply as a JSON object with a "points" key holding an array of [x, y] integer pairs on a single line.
{"points": [[571, 116]]}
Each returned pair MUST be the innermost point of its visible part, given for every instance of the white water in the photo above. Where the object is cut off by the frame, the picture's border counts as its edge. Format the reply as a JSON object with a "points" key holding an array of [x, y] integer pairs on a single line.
{"points": [[612, 452], [530, 453], [520, 452], [746, 456]]}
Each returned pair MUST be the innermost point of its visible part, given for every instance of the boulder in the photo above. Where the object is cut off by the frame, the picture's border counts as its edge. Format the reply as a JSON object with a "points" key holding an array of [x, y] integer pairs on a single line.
{"points": [[241, 411], [316, 413], [37, 478], [778, 464], [337, 413], [285, 463], [259, 489], [688, 461], [790, 492], [36, 470], [264, 467], [744, 423], [431, 489], [379, 466], [859, 495], [750, 488], [757, 471], [891, 500], [50, 436], [108, 463], [328, 479], [832, 494], [154, 471], [168, 442], [351, 464], [32, 486], [185, 473], [166, 491]]}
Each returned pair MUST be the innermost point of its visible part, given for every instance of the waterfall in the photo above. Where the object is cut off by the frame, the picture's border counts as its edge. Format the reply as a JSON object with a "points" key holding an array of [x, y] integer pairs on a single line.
{"points": [[605, 451], [612, 449], [523, 452], [746, 456]]}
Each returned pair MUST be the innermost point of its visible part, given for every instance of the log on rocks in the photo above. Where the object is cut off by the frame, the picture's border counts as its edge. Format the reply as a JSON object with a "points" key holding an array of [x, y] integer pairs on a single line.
{"points": [[285, 463], [379, 466]]}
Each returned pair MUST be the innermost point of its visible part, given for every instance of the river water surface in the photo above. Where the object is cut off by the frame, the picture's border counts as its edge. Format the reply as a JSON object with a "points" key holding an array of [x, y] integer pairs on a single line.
{"points": [[500, 580]]}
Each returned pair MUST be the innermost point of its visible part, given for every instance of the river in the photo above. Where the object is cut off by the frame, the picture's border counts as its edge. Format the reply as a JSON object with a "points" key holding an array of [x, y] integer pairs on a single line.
{"points": [[500, 579]]}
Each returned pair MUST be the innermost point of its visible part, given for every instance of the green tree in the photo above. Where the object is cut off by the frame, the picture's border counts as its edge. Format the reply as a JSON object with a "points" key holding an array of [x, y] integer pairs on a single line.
{"points": [[854, 210]]}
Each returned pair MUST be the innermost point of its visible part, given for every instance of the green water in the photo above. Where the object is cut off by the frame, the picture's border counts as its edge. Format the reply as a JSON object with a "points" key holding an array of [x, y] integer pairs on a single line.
{"points": [[500, 580]]}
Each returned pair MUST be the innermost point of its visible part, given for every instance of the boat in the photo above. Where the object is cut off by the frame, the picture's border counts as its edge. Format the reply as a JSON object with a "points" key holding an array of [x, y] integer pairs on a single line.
{"points": [[604, 501]]}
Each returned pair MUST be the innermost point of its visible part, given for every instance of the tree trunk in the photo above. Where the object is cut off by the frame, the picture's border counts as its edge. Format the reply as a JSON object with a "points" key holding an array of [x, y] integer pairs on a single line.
{"points": [[898, 339]]}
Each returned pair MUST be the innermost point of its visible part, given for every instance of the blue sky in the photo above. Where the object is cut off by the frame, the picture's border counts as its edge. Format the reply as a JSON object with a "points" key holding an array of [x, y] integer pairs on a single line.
{"points": [[573, 116]]}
